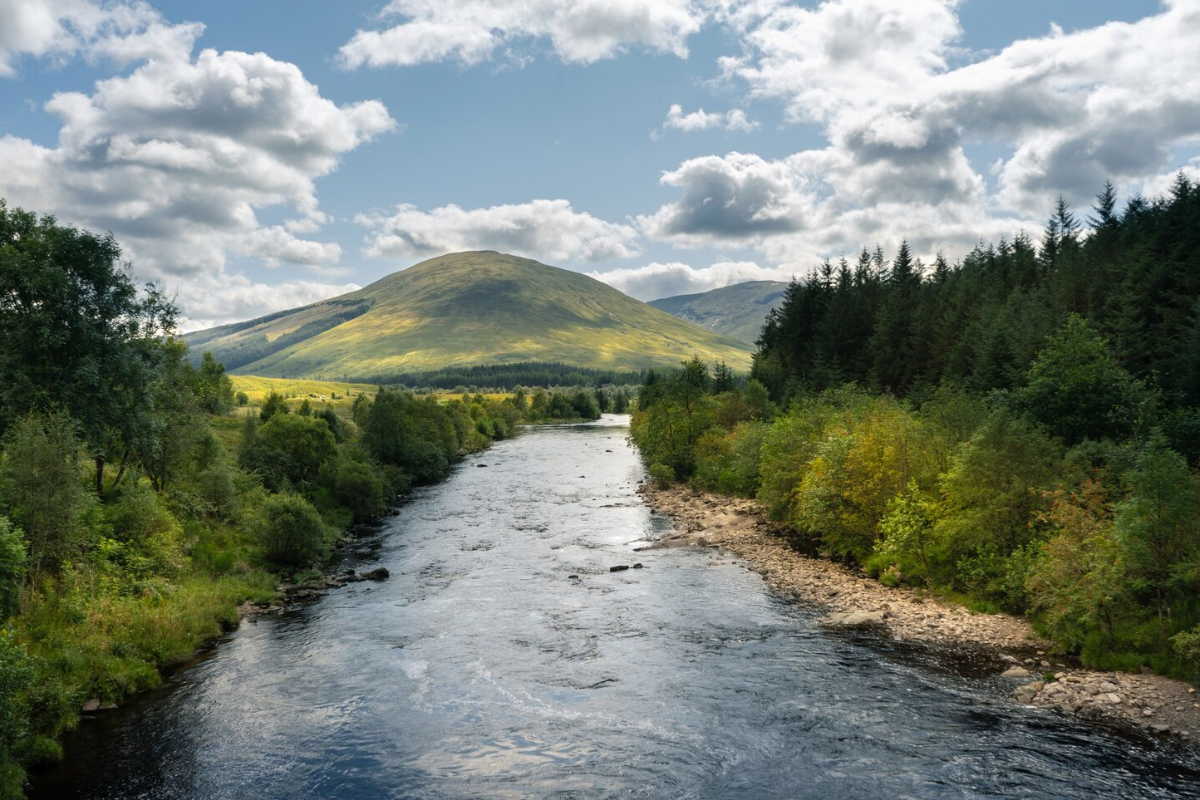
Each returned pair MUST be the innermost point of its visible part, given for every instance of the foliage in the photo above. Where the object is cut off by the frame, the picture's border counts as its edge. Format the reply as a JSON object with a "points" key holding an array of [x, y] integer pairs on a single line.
{"points": [[1077, 390], [12, 566], [662, 475], [300, 445], [1078, 583], [76, 334], [292, 532], [272, 405], [43, 491], [17, 676], [360, 489], [1158, 526]]}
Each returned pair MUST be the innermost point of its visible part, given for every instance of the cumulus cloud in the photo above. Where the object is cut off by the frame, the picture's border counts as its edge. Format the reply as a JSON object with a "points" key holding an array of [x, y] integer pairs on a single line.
{"points": [[733, 198], [657, 280], [700, 120], [177, 157], [549, 230], [471, 31], [61, 29], [217, 300], [899, 103]]}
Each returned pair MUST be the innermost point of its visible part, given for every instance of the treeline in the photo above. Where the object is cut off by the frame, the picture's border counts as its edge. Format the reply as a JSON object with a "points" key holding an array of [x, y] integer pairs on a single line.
{"points": [[905, 327], [137, 510], [1016, 431], [505, 377]]}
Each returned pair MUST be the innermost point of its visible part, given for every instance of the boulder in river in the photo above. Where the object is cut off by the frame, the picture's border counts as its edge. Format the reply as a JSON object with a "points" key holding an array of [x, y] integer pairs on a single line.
{"points": [[377, 574], [1016, 672], [619, 568], [91, 706]]}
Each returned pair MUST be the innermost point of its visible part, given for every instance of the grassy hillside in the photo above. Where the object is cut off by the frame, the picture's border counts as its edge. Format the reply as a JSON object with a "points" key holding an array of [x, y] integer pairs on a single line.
{"points": [[460, 309], [257, 388], [736, 311]]}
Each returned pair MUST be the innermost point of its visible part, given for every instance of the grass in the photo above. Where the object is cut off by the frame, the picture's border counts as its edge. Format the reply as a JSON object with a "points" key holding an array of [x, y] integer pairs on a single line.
{"points": [[737, 311], [297, 390], [467, 309]]}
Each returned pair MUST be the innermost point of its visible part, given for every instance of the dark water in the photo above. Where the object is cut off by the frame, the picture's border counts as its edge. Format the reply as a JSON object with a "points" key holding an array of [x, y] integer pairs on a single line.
{"points": [[482, 669]]}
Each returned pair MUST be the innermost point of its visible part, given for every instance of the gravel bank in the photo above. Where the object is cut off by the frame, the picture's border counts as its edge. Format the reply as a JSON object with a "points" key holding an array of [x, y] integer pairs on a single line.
{"points": [[737, 526]]}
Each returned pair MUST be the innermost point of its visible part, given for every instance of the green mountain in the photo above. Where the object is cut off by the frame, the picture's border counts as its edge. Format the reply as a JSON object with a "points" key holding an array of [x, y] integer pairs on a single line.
{"points": [[736, 311], [463, 309]]}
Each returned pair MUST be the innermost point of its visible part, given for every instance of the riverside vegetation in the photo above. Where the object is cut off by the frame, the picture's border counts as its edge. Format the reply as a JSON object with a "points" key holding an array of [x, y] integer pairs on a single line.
{"points": [[1018, 431], [137, 511]]}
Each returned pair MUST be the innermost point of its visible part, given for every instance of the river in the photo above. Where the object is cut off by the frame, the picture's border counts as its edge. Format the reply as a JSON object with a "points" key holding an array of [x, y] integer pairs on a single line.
{"points": [[504, 660]]}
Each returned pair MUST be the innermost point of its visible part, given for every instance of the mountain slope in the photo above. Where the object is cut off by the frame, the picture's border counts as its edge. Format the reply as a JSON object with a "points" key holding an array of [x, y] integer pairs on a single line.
{"points": [[465, 308], [736, 311]]}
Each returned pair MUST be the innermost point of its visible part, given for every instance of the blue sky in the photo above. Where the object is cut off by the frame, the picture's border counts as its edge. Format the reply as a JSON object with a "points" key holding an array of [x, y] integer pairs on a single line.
{"points": [[320, 146]]}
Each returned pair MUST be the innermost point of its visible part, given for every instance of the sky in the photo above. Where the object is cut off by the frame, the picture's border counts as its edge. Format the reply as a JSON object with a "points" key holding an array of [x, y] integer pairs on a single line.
{"points": [[256, 156]]}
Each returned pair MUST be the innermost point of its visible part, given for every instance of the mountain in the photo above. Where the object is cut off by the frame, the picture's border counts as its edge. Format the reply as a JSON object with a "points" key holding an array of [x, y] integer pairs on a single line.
{"points": [[736, 311], [463, 309]]}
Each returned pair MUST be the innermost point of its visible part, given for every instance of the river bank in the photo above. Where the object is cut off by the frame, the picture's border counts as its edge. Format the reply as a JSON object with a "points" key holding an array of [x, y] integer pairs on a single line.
{"points": [[737, 526]]}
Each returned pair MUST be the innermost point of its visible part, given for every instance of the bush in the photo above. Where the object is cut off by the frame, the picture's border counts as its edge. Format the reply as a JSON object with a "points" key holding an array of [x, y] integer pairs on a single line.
{"points": [[359, 489], [304, 444], [42, 487], [216, 489], [275, 404], [16, 680], [662, 475], [292, 532], [12, 566]]}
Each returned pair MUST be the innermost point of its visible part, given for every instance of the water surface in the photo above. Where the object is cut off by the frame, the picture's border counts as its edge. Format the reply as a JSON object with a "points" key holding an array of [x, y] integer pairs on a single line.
{"points": [[503, 660]]}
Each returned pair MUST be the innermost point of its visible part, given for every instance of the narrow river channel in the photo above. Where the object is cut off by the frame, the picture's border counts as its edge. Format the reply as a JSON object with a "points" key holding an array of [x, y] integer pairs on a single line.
{"points": [[503, 660]]}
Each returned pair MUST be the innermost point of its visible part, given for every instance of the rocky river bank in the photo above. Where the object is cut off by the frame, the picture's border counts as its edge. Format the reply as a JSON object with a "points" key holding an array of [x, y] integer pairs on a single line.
{"points": [[736, 528]]}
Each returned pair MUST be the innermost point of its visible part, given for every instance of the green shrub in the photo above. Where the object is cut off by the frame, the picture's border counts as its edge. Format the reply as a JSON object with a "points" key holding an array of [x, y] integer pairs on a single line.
{"points": [[304, 444], [662, 475], [12, 566], [217, 490], [292, 532], [16, 679], [360, 490]]}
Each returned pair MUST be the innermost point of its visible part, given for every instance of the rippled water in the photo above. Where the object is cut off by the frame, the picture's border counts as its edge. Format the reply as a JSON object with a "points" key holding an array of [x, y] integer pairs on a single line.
{"points": [[484, 669]]}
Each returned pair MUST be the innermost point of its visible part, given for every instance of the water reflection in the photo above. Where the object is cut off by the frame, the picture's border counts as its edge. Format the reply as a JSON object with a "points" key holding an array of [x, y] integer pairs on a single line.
{"points": [[503, 659]]}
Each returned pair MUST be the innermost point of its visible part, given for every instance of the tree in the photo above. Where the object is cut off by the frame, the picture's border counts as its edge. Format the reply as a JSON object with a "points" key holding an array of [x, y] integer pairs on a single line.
{"points": [[214, 390], [276, 404], [1078, 390], [12, 565], [42, 488], [1079, 583], [1159, 525], [723, 380], [76, 333], [304, 445], [291, 531], [360, 490]]}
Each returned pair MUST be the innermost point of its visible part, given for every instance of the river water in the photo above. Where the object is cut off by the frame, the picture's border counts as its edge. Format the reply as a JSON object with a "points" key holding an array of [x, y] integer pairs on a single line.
{"points": [[484, 668]]}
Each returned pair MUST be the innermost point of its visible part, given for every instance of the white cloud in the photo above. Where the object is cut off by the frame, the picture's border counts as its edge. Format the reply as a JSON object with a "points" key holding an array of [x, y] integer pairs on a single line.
{"points": [[177, 157], [471, 31], [548, 230], [738, 197], [700, 120], [899, 104], [60, 29], [656, 280], [219, 300]]}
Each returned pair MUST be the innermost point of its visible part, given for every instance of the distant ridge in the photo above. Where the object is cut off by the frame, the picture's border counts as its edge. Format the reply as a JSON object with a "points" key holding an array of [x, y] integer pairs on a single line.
{"points": [[736, 311], [465, 309]]}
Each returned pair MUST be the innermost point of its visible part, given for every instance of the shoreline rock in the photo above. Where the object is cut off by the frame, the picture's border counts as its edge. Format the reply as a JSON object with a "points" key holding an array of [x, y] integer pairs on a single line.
{"points": [[1152, 703]]}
